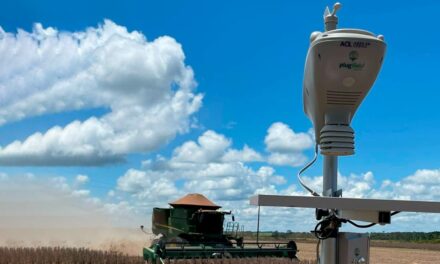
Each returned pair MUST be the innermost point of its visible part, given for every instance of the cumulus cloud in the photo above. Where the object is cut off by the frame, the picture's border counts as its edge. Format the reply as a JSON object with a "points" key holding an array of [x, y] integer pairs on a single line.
{"points": [[150, 187], [145, 85], [292, 159], [421, 185], [353, 185], [209, 165], [209, 147], [281, 138], [213, 147], [212, 166], [247, 154], [81, 179], [424, 184], [230, 184], [286, 146], [81, 193]]}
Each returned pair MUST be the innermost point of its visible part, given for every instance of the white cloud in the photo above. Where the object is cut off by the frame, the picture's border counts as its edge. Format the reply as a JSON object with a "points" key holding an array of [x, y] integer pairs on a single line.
{"points": [[210, 166], [219, 181], [247, 154], [150, 187], [354, 185], [156, 187], [281, 138], [213, 147], [81, 179], [424, 184], [292, 159], [146, 86], [3, 176], [286, 146], [209, 147], [81, 193]]}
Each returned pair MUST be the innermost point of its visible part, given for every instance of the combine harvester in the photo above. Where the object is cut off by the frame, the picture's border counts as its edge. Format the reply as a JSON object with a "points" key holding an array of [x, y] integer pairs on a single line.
{"points": [[193, 228]]}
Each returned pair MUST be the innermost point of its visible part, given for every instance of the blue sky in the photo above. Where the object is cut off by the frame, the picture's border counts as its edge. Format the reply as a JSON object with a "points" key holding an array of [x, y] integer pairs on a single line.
{"points": [[248, 59]]}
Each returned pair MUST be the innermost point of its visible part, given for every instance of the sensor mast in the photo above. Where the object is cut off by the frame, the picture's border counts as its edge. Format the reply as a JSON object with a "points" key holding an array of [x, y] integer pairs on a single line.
{"points": [[341, 67]]}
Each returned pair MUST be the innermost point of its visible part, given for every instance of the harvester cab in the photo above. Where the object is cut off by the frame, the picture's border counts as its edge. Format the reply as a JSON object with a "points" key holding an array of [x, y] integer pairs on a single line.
{"points": [[194, 227]]}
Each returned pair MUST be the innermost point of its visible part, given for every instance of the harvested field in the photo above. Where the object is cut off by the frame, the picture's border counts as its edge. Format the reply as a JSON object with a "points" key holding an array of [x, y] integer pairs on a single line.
{"points": [[129, 242], [410, 245], [46, 255], [239, 261], [385, 255]]}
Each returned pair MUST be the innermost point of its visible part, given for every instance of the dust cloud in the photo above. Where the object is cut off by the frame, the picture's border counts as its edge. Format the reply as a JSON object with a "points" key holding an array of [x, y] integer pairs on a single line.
{"points": [[46, 212]]}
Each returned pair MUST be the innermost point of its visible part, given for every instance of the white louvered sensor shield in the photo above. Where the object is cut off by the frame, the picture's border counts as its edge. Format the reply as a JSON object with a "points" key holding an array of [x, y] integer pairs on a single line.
{"points": [[337, 140]]}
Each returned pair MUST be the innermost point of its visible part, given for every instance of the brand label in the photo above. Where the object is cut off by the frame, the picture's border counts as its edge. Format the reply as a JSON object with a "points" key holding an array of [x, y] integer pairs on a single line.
{"points": [[355, 44], [352, 66], [353, 56]]}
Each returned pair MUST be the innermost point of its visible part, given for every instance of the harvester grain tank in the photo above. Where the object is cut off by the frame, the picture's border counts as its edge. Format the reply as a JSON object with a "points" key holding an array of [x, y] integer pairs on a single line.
{"points": [[194, 227]]}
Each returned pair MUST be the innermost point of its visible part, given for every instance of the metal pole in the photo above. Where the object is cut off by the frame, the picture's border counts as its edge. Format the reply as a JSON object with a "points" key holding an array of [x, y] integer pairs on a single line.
{"points": [[329, 248], [258, 225]]}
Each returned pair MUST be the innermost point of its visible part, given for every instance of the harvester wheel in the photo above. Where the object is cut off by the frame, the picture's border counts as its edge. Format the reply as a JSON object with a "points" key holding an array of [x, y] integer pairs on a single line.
{"points": [[292, 245]]}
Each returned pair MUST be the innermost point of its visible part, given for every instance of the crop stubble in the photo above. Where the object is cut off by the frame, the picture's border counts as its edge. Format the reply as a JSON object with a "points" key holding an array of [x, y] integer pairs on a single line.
{"points": [[58, 255]]}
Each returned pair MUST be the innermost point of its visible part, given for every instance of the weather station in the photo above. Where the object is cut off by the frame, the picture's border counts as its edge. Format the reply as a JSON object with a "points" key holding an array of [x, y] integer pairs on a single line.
{"points": [[341, 67]]}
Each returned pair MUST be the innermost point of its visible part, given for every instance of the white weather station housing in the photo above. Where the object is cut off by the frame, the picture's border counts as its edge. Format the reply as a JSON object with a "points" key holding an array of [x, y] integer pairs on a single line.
{"points": [[341, 67]]}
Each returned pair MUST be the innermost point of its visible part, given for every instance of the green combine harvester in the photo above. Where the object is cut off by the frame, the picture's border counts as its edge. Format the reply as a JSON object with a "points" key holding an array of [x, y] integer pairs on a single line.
{"points": [[193, 228]]}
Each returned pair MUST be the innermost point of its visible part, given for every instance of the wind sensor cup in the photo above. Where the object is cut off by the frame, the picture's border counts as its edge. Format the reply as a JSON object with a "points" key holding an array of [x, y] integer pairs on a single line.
{"points": [[341, 67]]}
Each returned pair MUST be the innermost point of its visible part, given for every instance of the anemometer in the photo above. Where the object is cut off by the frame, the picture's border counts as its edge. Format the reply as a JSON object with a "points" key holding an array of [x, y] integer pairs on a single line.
{"points": [[341, 67]]}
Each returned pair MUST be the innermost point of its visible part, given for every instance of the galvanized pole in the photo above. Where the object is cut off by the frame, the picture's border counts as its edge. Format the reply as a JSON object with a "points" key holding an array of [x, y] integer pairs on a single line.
{"points": [[258, 225], [329, 248]]}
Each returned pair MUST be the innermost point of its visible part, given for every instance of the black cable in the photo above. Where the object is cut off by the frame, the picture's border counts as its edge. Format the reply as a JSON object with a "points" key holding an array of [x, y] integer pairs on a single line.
{"points": [[322, 234], [369, 225], [361, 226], [321, 231], [318, 233]]}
